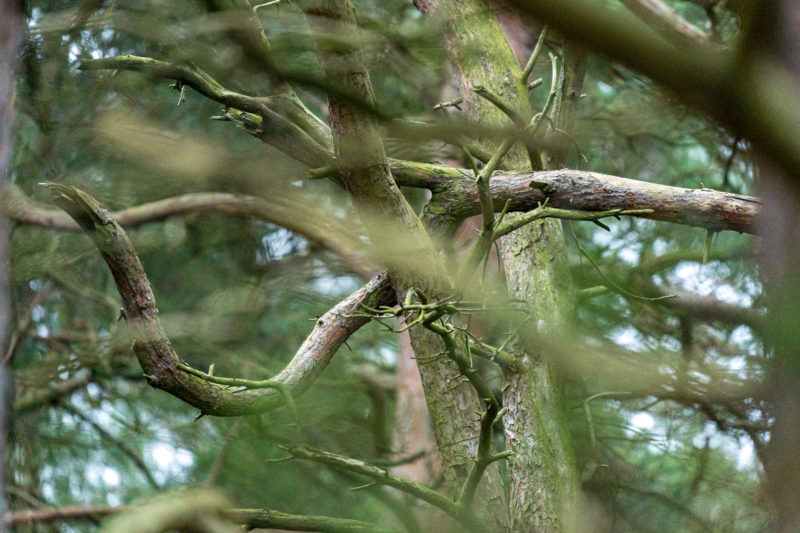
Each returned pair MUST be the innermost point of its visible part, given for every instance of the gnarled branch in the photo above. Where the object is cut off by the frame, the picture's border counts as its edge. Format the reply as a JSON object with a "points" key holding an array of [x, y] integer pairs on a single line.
{"points": [[160, 362]]}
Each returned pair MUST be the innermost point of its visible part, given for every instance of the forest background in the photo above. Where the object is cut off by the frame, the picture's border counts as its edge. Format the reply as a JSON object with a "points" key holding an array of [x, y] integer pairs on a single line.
{"points": [[627, 363]]}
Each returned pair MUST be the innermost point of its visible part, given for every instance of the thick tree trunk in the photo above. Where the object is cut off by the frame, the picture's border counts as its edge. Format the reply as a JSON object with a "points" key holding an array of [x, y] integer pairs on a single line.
{"points": [[542, 474]]}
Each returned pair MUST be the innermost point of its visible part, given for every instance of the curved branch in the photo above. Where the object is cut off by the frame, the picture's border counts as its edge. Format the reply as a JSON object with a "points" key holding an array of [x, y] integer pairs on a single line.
{"points": [[160, 362], [294, 216]]}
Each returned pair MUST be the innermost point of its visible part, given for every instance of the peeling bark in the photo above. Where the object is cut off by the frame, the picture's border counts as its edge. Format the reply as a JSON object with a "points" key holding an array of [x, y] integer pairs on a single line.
{"points": [[591, 191]]}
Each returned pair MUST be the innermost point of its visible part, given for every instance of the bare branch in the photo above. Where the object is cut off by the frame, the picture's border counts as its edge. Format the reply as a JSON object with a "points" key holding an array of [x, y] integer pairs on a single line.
{"points": [[160, 362], [456, 199], [590, 191]]}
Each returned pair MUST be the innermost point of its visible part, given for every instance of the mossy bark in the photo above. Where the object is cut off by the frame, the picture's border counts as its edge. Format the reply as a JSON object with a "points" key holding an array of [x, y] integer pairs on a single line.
{"points": [[542, 473]]}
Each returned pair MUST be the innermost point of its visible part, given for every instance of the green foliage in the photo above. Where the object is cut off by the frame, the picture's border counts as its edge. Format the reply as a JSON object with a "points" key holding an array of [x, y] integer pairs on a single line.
{"points": [[242, 295]]}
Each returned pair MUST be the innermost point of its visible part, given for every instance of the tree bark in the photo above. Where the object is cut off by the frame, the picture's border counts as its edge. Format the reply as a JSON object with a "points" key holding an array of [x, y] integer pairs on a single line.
{"points": [[543, 479]]}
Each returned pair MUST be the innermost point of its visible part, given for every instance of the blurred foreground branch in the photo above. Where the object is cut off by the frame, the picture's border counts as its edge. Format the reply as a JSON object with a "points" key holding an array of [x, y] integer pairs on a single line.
{"points": [[249, 518]]}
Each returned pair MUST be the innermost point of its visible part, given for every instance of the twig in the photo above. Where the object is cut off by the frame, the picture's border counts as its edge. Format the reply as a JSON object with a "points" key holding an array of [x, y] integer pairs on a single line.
{"points": [[464, 516], [565, 214], [613, 285], [500, 104], [526, 72]]}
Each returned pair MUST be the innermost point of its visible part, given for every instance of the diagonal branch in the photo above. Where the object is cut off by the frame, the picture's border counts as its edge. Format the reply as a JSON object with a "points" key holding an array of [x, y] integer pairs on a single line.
{"points": [[665, 21], [160, 362], [115, 442]]}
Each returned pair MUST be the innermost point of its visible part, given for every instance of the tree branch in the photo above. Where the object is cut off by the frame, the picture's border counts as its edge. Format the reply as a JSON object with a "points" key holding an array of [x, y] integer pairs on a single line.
{"points": [[578, 190], [706, 208], [460, 513], [111, 439], [748, 92], [456, 198], [250, 518], [294, 216], [159, 360], [286, 136], [664, 20], [52, 394]]}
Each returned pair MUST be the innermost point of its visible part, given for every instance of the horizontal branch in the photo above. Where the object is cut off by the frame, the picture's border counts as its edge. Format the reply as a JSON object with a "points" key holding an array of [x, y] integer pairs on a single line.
{"points": [[456, 198], [160, 362], [703, 307], [49, 515], [303, 137], [706, 308], [267, 519], [294, 216], [578, 190], [250, 518]]}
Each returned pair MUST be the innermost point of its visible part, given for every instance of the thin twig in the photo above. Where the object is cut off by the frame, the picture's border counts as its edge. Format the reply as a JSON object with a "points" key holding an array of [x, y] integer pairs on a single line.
{"points": [[526, 72]]}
